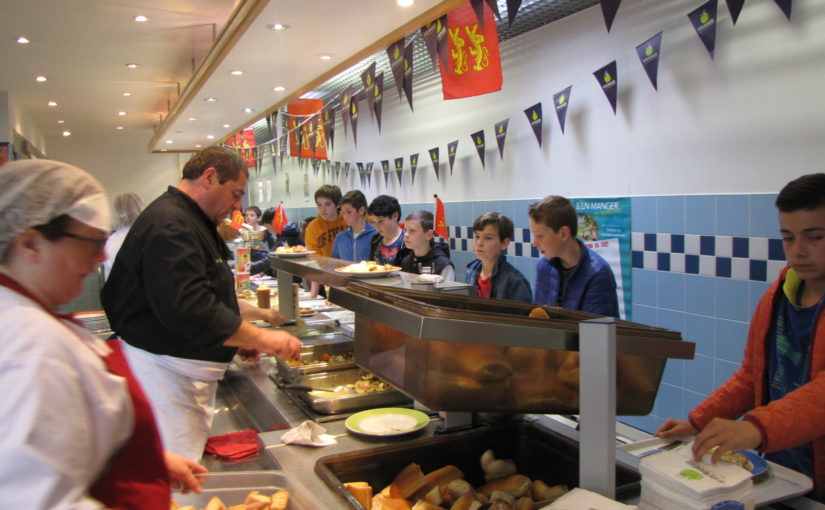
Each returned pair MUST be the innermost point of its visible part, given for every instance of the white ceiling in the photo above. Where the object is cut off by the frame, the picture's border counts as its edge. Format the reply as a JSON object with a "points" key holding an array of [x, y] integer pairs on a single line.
{"points": [[82, 47]]}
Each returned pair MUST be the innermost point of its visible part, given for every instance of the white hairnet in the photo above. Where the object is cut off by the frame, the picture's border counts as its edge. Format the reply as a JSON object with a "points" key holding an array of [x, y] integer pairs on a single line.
{"points": [[35, 191]]}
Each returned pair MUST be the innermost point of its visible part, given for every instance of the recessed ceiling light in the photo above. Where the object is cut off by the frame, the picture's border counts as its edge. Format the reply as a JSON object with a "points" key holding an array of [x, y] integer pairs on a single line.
{"points": [[121, 114], [193, 118], [210, 137], [325, 56], [131, 65], [40, 78], [163, 150], [279, 88], [22, 40], [405, 3], [236, 72], [61, 121], [52, 103], [198, 146], [140, 18], [210, 99], [226, 125], [67, 133], [126, 94], [278, 26], [119, 128], [170, 141], [247, 110]]}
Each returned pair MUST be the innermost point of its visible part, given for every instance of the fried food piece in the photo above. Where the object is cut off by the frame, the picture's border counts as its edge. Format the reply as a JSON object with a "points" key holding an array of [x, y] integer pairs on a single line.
{"points": [[362, 491]]}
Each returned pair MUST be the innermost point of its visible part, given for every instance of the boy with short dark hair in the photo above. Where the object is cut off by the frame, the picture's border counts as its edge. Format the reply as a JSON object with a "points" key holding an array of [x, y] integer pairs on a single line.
{"points": [[424, 252], [321, 232], [355, 242], [490, 274], [569, 274], [780, 387], [387, 247]]}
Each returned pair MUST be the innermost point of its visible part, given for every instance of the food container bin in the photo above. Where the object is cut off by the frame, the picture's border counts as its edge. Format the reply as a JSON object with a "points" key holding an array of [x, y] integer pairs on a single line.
{"points": [[233, 487], [313, 357], [462, 353], [538, 453]]}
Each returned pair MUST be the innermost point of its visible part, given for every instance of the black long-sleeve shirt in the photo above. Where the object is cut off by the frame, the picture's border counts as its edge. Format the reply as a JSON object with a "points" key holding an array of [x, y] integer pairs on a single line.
{"points": [[171, 290]]}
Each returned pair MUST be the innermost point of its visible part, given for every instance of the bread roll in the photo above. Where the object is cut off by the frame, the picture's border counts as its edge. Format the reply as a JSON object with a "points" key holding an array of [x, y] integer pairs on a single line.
{"points": [[380, 502], [516, 485], [215, 503], [436, 478], [434, 496], [409, 480], [542, 492], [454, 490], [523, 503], [362, 491], [423, 505], [466, 502]]}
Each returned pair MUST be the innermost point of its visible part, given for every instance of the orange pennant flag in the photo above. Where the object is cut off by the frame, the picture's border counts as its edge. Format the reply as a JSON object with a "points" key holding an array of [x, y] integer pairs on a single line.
{"points": [[237, 220], [440, 218], [280, 220]]}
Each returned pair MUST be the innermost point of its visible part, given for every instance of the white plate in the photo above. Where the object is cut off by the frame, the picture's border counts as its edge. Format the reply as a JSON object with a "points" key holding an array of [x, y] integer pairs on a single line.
{"points": [[387, 421], [367, 274], [292, 255]]}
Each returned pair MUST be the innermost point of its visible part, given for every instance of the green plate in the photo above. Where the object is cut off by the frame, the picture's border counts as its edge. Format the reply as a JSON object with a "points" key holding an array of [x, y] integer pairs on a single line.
{"points": [[387, 421]]}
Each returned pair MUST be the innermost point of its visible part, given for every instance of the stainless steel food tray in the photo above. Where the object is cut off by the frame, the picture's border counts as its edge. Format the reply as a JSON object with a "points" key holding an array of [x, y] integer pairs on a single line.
{"points": [[313, 355], [232, 489]]}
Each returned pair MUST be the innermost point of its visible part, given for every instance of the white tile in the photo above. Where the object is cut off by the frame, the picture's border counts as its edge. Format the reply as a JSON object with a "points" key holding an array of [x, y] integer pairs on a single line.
{"points": [[741, 269], [707, 265], [691, 244], [677, 262], [758, 248], [663, 243], [724, 246], [637, 241], [511, 250], [650, 260], [774, 266]]}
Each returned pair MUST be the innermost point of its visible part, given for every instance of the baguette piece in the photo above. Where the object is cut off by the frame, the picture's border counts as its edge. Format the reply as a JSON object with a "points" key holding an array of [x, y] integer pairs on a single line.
{"points": [[542, 492], [381, 502], [466, 502], [409, 480], [437, 478], [215, 503], [423, 505], [515, 485], [362, 491]]}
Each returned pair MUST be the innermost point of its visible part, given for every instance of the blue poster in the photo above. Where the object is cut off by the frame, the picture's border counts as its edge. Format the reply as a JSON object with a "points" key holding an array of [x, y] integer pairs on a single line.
{"points": [[604, 226]]}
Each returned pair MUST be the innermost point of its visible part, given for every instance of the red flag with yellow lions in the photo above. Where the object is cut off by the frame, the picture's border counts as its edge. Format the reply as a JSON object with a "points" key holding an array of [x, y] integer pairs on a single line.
{"points": [[440, 218], [473, 65]]}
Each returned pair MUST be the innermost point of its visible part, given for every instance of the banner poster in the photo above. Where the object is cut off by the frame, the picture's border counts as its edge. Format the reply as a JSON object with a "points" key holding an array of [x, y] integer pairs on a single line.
{"points": [[478, 141], [435, 159], [286, 185], [363, 177], [735, 7], [413, 165], [785, 5], [606, 76], [320, 139], [353, 117], [474, 66], [451, 148], [501, 134], [609, 10], [430, 34], [302, 112], [703, 19], [534, 117], [368, 79], [408, 73], [379, 98], [442, 41], [369, 173], [395, 53], [648, 53], [346, 96], [512, 10], [385, 166], [399, 167], [268, 189], [604, 226]]}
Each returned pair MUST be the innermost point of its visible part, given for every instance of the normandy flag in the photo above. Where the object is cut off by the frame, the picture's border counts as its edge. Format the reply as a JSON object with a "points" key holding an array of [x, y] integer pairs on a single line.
{"points": [[369, 173], [606, 76], [440, 218], [648, 53], [735, 7], [353, 117], [379, 98], [534, 117], [451, 148], [399, 167], [473, 66], [609, 9], [368, 79], [413, 165], [385, 166], [346, 96], [237, 220], [361, 173], [703, 19], [501, 134], [478, 141], [280, 220], [395, 52], [435, 159], [785, 5], [560, 102]]}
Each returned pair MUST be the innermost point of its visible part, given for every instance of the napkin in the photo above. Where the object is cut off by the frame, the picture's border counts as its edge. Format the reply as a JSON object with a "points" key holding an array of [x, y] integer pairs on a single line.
{"points": [[308, 433], [581, 498], [233, 445], [430, 278]]}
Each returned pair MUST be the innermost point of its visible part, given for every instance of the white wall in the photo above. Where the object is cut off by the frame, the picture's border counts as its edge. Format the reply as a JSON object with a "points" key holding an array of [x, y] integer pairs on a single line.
{"points": [[745, 122], [21, 122], [5, 131]]}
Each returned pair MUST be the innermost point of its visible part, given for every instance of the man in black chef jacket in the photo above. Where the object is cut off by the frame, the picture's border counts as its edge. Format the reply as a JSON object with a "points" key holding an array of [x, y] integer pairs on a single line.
{"points": [[171, 298]]}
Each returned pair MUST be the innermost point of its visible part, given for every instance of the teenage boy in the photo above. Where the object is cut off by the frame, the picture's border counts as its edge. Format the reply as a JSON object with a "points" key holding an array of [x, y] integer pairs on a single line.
{"points": [[252, 216], [490, 274], [424, 253], [780, 387], [569, 274], [387, 247], [321, 232], [355, 242]]}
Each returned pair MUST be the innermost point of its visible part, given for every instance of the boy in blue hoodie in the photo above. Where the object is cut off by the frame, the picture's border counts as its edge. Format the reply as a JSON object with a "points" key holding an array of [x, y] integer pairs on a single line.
{"points": [[490, 274], [354, 243]]}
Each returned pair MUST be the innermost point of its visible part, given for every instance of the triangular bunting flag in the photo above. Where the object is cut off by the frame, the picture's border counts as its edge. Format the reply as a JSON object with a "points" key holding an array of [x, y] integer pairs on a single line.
{"points": [[435, 159], [346, 96], [369, 173], [478, 141], [735, 7], [703, 19], [608, 81], [451, 148], [785, 5], [399, 167], [430, 34], [360, 167], [315, 165], [337, 170], [408, 73], [346, 171], [379, 98], [609, 9], [512, 9], [440, 218], [395, 52], [329, 125], [501, 134], [413, 166], [534, 117], [494, 7], [478, 7], [442, 41], [648, 53], [385, 166], [313, 133], [368, 79], [353, 117]]}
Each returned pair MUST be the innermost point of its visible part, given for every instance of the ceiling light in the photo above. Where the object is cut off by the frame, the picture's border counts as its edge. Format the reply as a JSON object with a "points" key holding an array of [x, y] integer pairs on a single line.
{"points": [[170, 141], [278, 26], [121, 114], [210, 137], [67, 133], [198, 146], [119, 128], [405, 3], [210, 99], [226, 126], [140, 18], [40, 78], [22, 40], [126, 94], [279, 88], [52, 103], [193, 118], [131, 66], [325, 56], [247, 110], [61, 121], [163, 150], [236, 72]]}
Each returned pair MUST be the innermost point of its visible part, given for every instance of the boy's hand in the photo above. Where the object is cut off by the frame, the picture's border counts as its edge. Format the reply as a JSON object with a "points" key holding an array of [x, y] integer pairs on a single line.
{"points": [[671, 428], [728, 435]]}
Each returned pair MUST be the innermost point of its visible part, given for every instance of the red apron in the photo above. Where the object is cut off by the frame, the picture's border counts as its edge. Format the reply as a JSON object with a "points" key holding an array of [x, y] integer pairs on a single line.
{"points": [[136, 477]]}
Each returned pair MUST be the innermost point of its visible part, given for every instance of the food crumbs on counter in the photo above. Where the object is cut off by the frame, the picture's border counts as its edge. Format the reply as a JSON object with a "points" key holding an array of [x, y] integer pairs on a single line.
{"points": [[254, 501]]}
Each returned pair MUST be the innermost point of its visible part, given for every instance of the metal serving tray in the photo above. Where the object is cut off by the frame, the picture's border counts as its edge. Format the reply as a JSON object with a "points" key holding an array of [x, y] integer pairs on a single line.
{"points": [[313, 356], [538, 453], [346, 403], [233, 487]]}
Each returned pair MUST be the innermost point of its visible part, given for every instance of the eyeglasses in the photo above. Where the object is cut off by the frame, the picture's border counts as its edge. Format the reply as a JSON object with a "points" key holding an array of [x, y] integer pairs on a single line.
{"points": [[99, 242]]}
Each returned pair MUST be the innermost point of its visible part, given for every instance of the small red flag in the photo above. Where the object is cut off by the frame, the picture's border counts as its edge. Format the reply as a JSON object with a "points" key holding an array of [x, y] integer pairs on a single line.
{"points": [[237, 220], [440, 218], [280, 220]]}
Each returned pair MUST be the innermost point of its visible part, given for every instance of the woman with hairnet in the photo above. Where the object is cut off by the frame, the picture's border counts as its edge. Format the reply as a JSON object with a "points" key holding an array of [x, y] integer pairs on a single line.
{"points": [[77, 430], [127, 208]]}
